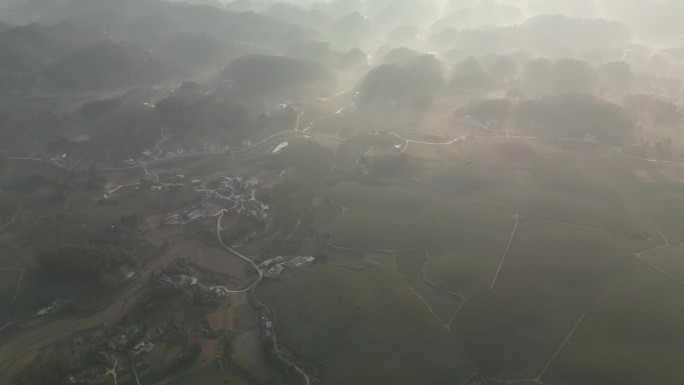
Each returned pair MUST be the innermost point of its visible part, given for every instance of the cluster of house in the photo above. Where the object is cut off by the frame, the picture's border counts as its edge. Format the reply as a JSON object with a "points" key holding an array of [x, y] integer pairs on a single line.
{"points": [[188, 281], [273, 267], [210, 147], [241, 193], [175, 153], [59, 157], [143, 346], [237, 190], [266, 326], [205, 209], [122, 339]]}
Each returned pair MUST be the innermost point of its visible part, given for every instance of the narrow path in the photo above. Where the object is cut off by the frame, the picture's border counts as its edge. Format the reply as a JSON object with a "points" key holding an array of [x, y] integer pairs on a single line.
{"points": [[427, 280], [112, 371], [13, 219], [644, 208], [18, 287], [516, 217], [562, 345], [592, 304], [135, 372], [40, 160], [306, 377], [639, 256]]}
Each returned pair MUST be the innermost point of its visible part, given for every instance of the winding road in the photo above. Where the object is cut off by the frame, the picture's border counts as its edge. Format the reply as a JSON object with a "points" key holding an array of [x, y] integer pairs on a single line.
{"points": [[237, 254], [253, 286]]}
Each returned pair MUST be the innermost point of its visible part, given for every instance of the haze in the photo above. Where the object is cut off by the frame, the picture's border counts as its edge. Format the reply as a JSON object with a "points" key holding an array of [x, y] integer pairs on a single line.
{"points": [[474, 192]]}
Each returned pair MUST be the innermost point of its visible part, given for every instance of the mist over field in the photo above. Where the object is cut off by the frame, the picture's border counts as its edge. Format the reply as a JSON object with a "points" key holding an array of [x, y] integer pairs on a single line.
{"points": [[474, 192]]}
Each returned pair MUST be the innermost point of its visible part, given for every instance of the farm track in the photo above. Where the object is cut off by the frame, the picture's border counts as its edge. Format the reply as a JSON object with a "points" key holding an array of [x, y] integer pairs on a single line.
{"points": [[18, 287], [12, 220]]}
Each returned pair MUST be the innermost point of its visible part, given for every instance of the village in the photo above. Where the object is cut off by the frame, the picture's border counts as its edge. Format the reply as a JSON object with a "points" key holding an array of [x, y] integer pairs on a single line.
{"points": [[235, 194]]}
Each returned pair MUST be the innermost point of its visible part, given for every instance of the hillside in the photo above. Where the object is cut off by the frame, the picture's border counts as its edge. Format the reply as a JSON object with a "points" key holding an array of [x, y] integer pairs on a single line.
{"points": [[108, 63], [264, 74]]}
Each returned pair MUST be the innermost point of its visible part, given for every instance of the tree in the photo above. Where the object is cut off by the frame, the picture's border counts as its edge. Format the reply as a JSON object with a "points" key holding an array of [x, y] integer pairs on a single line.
{"points": [[573, 76], [537, 76], [91, 263], [469, 74], [130, 220], [414, 82], [661, 112], [49, 368], [575, 115], [616, 75], [502, 68], [489, 109]]}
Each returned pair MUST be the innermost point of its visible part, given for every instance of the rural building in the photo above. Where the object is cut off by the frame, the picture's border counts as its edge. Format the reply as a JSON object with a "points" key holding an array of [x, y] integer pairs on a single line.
{"points": [[143, 347], [274, 271], [298, 262]]}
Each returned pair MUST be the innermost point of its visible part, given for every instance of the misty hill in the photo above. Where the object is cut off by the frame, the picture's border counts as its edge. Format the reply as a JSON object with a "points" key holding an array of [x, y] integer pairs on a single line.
{"points": [[543, 76], [574, 116], [339, 8], [351, 30], [658, 21], [352, 59], [264, 74], [481, 13], [414, 82], [109, 64], [402, 12], [307, 18], [25, 51], [33, 38], [404, 35], [4, 26], [314, 50], [155, 22], [239, 6], [562, 35], [201, 51], [245, 26], [32, 46], [20, 53], [400, 55]]}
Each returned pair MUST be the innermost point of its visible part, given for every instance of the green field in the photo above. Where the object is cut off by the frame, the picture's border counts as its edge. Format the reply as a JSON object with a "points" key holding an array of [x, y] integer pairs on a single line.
{"points": [[550, 277], [414, 201], [631, 336], [584, 187], [462, 257], [669, 259], [358, 321], [661, 196]]}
